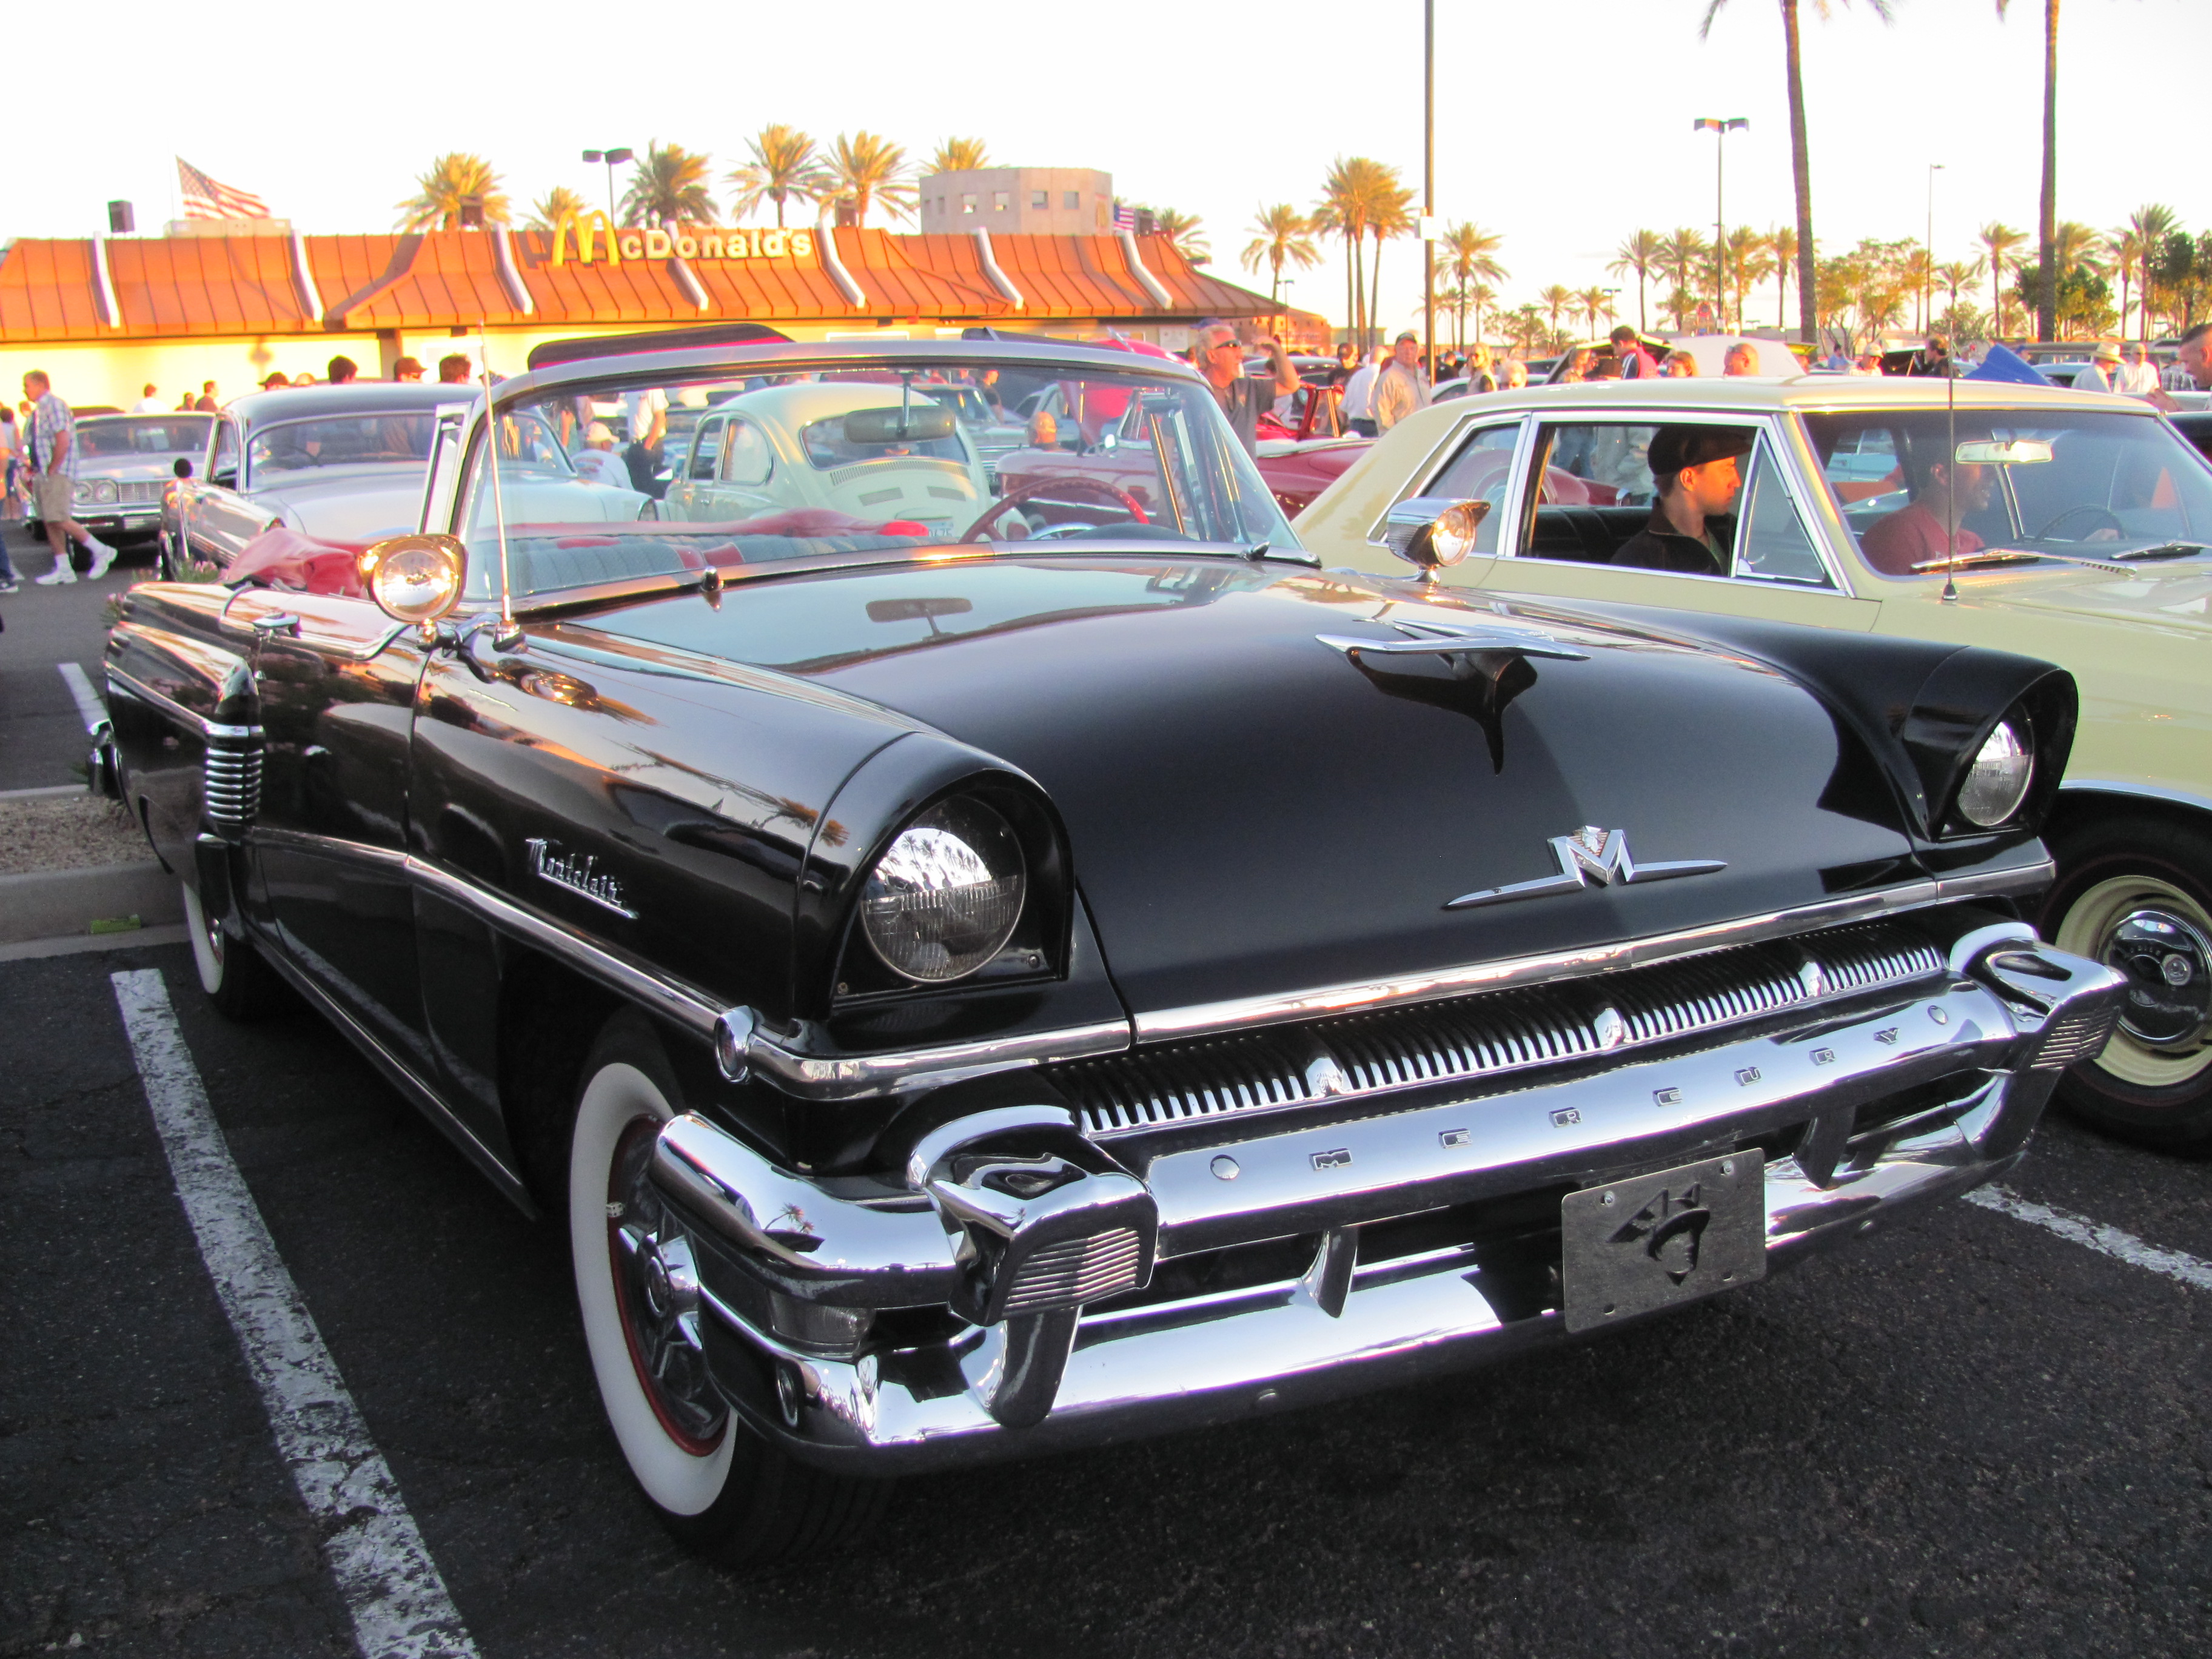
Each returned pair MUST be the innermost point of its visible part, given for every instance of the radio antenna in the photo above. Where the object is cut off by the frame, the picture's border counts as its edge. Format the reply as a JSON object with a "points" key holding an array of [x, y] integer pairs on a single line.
{"points": [[507, 630], [1950, 482]]}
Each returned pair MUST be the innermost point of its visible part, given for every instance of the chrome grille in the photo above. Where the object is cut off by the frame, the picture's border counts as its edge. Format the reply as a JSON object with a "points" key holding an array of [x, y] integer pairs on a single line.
{"points": [[140, 490], [232, 787], [2079, 1036], [1488, 1033], [1081, 1270]]}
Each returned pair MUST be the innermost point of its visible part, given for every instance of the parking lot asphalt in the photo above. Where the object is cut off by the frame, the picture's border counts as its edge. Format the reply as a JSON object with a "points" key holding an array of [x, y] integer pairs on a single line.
{"points": [[42, 742], [1966, 1435]]}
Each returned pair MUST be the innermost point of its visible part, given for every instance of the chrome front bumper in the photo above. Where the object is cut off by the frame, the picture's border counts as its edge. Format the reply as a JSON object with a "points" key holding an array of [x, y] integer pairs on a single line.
{"points": [[791, 1274]]}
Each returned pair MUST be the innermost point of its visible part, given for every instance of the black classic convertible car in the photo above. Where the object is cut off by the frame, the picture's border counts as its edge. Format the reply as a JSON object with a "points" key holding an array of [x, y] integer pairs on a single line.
{"points": [[976, 976]]}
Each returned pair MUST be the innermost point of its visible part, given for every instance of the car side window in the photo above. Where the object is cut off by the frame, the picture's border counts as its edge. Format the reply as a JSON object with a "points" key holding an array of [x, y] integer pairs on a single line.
{"points": [[1771, 542], [706, 448], [1482, 470], [1593, 490], [746, 457], [225, 459]]}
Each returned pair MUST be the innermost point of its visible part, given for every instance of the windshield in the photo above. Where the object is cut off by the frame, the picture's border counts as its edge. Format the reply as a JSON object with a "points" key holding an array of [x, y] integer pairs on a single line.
{"points": [[2016, 483], [157, 435], [867, 454], [396, 437]]}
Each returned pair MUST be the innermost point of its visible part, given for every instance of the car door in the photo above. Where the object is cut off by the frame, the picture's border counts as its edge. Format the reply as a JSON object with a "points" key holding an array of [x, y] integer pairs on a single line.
{"points": [[336, 679], [1585, 488], [745, 485], [690, 493], [1477, 464], [224, 517], [217, 471]]}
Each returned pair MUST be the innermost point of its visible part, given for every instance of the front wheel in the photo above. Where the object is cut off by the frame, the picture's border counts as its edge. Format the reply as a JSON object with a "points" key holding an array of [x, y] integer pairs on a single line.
{"points": [[719, 1488], [2138, 899], [232, 973]]}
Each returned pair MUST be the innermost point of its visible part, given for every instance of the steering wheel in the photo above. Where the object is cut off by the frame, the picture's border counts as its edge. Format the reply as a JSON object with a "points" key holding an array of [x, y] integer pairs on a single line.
{"points": [[2110, 522], [1114, 493]]}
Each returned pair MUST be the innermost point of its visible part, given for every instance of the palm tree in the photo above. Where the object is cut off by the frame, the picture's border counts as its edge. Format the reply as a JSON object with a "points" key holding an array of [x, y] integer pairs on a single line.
{"points": [[1590, 301], [864, 171], [1471, 257], [1639, 253], [667, 186], [1681, 255], [557, 203], [2046, 295], [1782, 244], [1679, 304], [1801, 162], [1955, 274], [1342, 211], [1746, 263], [2126, 249], [1282, 237], [2076, 246], [2000, 238], [1184, 233], [1555, 300], [1479, 295], [2153, 222], [959, 155], [1392, 215], [784, 165], [453, 179]]}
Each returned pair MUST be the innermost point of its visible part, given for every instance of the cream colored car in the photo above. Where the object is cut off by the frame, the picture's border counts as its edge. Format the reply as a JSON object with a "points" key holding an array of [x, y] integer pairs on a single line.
{"points": [[2084, 524]]}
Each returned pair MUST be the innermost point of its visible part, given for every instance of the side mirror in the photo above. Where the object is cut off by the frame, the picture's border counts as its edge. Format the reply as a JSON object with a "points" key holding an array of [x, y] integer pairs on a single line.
{"points": [[414, 578], [183, 468], [1433, 531]]}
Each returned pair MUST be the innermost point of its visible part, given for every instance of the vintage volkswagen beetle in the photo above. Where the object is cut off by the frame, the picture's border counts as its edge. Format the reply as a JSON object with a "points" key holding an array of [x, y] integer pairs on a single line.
{"points": [[345, 463], [971, 998], [2086, 543]]}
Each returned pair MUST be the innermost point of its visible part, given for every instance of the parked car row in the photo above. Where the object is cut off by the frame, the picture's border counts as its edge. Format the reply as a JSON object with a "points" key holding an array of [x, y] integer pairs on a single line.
{"points": [[986, 954]]}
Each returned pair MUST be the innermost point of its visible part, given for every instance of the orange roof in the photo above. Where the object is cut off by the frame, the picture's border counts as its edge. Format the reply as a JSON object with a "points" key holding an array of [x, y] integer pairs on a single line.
{"points": [[197, 286]]}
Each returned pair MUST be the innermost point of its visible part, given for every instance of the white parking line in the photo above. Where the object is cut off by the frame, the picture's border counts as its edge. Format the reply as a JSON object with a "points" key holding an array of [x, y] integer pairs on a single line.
{"points": [[2104, 1240], [90, 708], [391, 1587]]}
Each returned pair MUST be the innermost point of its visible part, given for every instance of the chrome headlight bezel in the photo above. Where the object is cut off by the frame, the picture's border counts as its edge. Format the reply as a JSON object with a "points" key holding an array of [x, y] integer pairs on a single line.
{"points": [[945, 897]]}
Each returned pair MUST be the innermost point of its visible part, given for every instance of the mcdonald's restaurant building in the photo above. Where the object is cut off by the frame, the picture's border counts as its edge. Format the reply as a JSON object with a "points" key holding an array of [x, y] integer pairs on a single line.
{"points": [[107, 316]]}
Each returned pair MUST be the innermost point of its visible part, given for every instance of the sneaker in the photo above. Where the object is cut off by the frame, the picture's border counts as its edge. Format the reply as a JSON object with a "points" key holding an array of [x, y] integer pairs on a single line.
{"points": [[9, 585], [54, 578], [102, 556]]}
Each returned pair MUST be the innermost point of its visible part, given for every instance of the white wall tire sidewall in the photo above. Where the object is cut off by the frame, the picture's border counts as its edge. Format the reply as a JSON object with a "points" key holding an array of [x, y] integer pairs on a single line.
{"points": [[204, 956], [617, 1096]]}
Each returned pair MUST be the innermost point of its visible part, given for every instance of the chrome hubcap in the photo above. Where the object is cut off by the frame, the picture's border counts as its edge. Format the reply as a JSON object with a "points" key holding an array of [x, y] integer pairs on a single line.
{"points": [[2168, 963], [656, 1289]]}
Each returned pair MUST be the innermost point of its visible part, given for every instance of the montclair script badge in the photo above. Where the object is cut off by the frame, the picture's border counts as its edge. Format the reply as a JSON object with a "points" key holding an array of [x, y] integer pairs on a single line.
{"points": [[580, 874], [1589, 855]]}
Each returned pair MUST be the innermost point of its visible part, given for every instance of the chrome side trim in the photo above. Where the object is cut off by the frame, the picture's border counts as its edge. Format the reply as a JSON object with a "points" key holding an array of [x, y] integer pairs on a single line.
{"points": [[851, 1076], [1233, 1014], [131, 686]]}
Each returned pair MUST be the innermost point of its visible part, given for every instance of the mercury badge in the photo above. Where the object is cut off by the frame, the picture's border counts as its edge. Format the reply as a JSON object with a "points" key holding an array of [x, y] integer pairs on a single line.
{"points": [[580, 874], [1590, 854]]}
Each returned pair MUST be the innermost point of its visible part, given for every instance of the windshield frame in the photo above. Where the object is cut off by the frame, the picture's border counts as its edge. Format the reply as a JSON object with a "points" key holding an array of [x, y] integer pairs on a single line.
{"points": [[110, 423], [611, 377]]}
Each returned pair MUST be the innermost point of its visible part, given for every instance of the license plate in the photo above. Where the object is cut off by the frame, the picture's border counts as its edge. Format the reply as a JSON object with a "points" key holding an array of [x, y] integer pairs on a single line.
{"points": [[1655, 1241]]}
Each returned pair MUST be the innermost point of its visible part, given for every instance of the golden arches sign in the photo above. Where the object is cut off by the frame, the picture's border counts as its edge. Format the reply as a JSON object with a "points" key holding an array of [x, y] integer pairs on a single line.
{"points": [[593, 234]]}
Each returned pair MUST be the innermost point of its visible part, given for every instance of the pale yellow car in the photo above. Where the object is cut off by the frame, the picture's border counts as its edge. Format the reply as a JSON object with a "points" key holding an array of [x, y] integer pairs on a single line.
{"points": [[2083, 522]]}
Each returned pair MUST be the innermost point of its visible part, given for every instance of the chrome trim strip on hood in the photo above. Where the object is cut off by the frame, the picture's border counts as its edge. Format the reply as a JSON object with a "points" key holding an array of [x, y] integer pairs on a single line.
{"points": [[1169, 1025], [131, 686]]}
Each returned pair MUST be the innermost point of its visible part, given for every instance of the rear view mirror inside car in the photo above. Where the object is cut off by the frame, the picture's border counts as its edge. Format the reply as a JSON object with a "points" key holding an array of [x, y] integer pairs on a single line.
{"points": [[912, 424], [2012, 451]]}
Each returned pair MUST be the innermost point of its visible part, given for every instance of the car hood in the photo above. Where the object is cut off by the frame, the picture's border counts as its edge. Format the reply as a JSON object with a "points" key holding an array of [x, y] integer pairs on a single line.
{"points": [[2176, 596], [133, 467], [1253, 812], [352, 505]]}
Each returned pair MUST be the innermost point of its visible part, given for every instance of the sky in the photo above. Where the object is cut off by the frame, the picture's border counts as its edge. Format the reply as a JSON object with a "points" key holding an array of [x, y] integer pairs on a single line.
{"points": [[1562, 126]]}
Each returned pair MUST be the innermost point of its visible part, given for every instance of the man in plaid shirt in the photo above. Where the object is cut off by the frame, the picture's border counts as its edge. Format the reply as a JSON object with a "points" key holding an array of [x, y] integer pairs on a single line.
{"points": [[52, 443]]}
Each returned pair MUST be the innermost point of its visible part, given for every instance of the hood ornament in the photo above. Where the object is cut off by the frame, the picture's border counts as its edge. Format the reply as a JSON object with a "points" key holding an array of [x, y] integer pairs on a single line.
{"points": [[1590, 854], [1461, 644]]}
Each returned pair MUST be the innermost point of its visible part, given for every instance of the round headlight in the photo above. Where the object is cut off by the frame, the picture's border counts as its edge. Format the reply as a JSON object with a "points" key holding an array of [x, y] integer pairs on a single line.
{"points": [[1997, 781], [944, 899], [103, 490], [414, 579]]}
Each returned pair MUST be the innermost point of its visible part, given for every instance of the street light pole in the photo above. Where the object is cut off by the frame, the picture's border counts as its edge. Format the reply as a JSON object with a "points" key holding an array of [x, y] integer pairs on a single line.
{"points": [[1720, 127], [1928, 263], [613, 158], [1429, 187]]}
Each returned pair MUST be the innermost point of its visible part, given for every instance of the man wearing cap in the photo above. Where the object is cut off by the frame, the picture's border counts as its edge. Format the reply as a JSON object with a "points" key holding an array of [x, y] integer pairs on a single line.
{"points": [[597, 462], [1400, 388], [1694, 469], [2138, 376]]}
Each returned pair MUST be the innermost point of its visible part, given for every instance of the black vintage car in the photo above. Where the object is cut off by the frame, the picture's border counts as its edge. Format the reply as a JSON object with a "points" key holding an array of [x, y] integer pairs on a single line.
{"points": [[972, 982]]}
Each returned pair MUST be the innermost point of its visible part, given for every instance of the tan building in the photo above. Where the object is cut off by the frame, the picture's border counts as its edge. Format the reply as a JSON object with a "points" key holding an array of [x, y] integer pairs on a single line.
{"points": [[1019, 201], [107, 316]]}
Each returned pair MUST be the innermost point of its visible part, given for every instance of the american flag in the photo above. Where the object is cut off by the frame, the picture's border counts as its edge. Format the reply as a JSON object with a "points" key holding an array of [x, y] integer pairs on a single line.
{"points": [[206, 199], [1125, 217]]}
